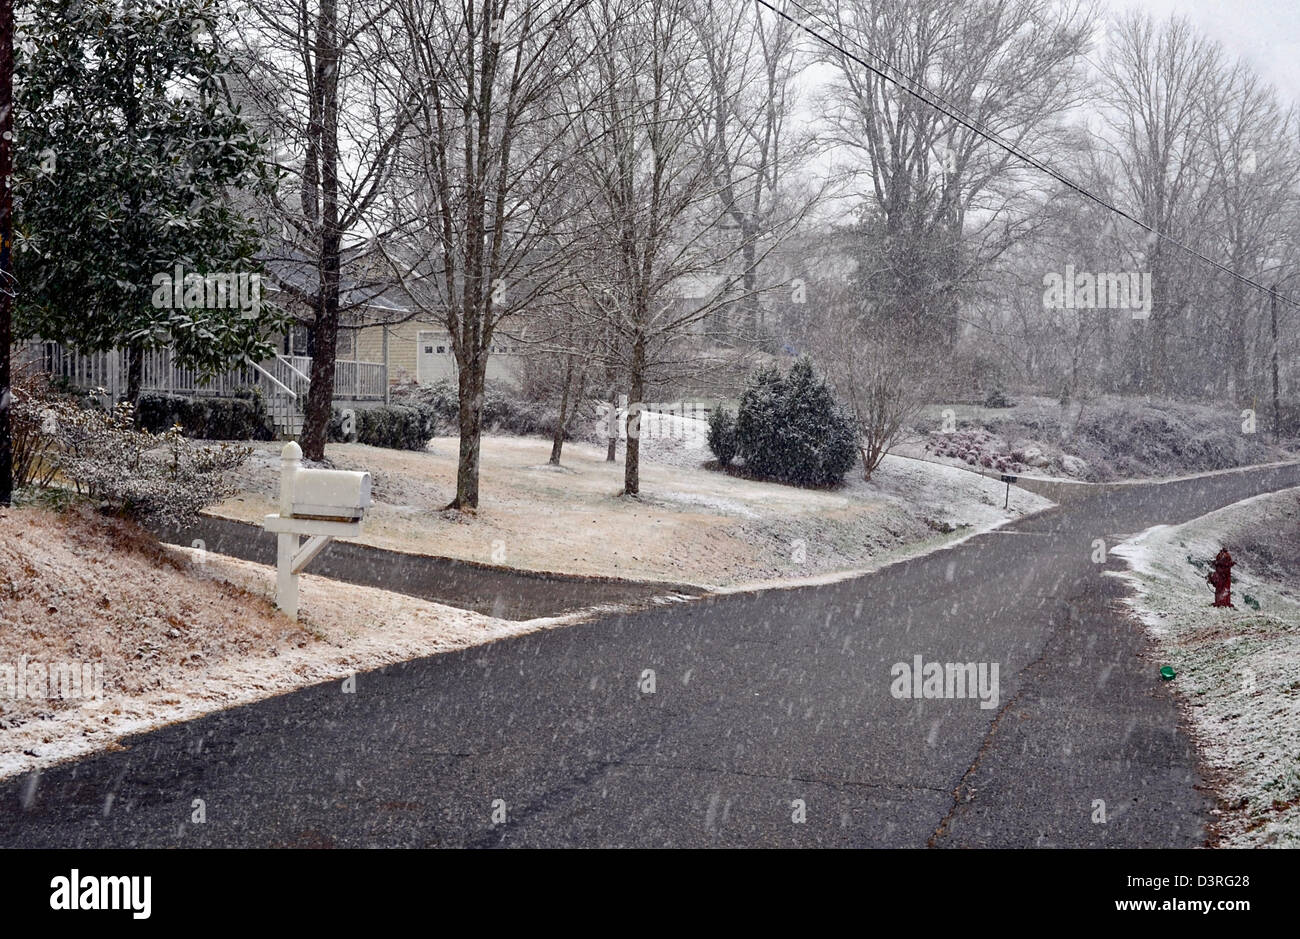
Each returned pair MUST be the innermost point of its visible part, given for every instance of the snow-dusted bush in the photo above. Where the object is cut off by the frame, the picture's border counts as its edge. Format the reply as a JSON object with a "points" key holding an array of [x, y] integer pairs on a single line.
{"points": [[243, 417], [151, 477], [722, 435], [396, 426], [503, 411], [979, 448], [789, 428], [35, 451]]}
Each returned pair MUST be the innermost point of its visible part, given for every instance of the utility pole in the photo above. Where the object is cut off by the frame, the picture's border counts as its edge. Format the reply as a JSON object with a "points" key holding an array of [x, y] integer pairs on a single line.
{"points": [[6, 244], [1272, 302]]}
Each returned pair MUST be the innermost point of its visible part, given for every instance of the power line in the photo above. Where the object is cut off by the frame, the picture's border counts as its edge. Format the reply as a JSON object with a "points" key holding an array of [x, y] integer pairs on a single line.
{"points": [[933, 101]]}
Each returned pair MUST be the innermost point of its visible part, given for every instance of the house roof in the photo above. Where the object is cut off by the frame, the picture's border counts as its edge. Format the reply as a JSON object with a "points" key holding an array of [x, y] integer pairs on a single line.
{"points": [[293, 270]]}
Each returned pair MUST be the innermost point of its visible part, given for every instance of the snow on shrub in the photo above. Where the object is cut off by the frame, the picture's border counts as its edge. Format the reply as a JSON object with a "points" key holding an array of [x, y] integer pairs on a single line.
{"points": [[150, 477], [243, 417], [975, 448], [159, 478], [503, 411], [722, 435], [790, 428], [35, 451], [395, 426]]}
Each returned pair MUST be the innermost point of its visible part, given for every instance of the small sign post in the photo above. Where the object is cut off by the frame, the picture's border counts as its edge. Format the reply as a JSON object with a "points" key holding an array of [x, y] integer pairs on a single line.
{"points": [[1008, 480]]}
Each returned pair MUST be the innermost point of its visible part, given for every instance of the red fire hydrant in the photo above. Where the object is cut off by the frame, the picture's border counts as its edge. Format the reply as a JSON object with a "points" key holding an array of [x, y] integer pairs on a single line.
{"points": [[1221, 578]]}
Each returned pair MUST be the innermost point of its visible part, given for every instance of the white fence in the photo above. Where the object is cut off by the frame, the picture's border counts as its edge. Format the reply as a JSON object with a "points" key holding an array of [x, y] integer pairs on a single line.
{"points": [[284, 379], [360, 381]]}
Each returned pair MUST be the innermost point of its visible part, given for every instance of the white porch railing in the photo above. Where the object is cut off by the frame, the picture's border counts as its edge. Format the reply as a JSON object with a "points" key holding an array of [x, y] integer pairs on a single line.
{"points": [[284, 379]]}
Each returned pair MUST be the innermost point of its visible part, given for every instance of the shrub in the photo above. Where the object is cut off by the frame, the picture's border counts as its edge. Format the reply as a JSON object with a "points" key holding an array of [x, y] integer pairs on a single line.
{"points": [[36, 406], [790, 428], [243, 417], [158, 478], [722, 435], [503, 411], [151, 477], [997, 398], [1289, 417], [396, 426]]}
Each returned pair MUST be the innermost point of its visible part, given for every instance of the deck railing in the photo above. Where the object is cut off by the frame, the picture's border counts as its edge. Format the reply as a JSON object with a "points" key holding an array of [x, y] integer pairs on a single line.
{"points": [[354, 381]]}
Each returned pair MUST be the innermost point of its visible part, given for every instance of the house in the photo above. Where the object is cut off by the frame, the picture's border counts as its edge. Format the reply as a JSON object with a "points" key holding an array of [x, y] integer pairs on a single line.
{"points": [[419, 350]]}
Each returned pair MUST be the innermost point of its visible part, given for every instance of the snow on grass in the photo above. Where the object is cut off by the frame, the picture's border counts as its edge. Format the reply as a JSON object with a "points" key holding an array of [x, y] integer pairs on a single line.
{"points": [[1238, 671], [689, 525], [181, 633]]}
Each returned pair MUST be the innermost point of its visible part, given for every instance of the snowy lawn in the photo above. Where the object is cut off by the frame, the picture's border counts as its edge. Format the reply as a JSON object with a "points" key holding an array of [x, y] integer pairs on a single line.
{"points": [[1238, 671], [179, 633], [689, 525]]}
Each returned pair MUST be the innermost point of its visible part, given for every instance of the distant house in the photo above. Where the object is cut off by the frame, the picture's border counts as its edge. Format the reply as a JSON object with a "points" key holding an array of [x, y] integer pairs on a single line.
{"points": [[381, 324], [419, 350]]}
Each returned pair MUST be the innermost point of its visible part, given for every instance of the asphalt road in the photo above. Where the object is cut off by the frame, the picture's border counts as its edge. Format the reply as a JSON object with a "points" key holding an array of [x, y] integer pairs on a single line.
{"points": [[764, 703], [503, 592]]}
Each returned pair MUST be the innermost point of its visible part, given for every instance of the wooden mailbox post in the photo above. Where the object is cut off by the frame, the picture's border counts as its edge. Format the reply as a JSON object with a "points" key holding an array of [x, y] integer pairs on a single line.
{"points": [[319, 504]]}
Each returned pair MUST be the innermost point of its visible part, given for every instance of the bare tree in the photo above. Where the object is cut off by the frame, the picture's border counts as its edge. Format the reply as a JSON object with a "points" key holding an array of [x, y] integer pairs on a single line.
{"points": [[880, 377], [312, 76], [479, 173], [661, 225], [750, 142], [560, 363], [1157, 80], [941, 201], [1255, 170]]}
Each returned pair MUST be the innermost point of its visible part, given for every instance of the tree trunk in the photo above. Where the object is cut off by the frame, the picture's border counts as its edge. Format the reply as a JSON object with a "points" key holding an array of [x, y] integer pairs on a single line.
{"points": [[557, 438], [1237, 344], [632, 460], [1157, 375], [471, 381], [134, 373], [751, 281], [6, 243], [320, 394], [611, 447]]}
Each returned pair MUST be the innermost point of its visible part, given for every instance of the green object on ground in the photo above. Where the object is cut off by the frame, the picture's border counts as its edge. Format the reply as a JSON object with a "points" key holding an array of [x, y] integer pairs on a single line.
{"points": [[1251, 602], [1167, 672]]}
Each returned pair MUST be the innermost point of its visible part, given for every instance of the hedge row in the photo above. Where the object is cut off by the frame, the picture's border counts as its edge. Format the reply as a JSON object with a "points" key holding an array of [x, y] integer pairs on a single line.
{"points": [[502, 413], [396, 426], [243, 417]]}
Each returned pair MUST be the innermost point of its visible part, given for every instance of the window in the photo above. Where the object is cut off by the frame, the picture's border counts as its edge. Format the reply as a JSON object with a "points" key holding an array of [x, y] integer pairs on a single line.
{"points": [[441, 350], [428, 350]]}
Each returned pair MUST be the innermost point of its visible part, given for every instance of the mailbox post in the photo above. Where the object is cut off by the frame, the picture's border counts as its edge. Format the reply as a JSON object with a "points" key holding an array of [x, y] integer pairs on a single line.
{"points": [[319, 504]]}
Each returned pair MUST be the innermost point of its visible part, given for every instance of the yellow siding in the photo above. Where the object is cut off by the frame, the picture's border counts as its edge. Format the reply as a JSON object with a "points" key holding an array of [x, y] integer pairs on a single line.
{"points": [[403, 354]]}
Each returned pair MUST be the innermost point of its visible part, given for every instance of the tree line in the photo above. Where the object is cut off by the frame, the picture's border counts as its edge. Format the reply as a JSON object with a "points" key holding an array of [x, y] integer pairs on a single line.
{"points": [[623, 185]]}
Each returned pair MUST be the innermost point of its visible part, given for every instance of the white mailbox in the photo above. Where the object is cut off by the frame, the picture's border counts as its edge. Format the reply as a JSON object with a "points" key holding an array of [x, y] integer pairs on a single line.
{"points": [[321, 504], [330, 495]]}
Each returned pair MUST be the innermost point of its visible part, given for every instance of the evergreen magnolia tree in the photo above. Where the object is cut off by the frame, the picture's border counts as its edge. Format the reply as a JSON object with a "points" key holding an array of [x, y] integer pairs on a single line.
{"points": [[128, 153]]}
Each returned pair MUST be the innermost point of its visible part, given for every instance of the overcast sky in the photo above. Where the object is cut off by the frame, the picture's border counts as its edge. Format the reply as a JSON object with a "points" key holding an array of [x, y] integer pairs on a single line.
{"points": [[1266, 33]]}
